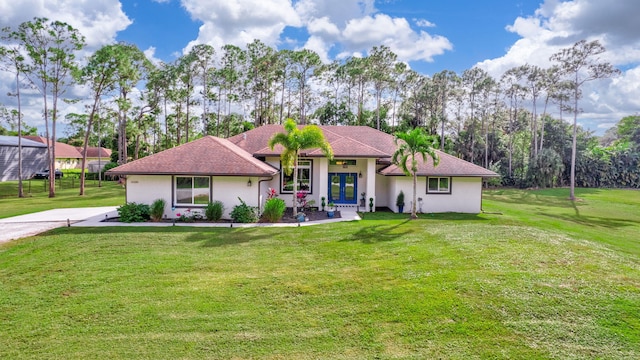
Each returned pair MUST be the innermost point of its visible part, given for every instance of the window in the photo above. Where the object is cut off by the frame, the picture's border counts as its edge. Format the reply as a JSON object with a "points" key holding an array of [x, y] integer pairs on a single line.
{"points": [[439, 185], [304, 178], [192, 190], [343, 162]]}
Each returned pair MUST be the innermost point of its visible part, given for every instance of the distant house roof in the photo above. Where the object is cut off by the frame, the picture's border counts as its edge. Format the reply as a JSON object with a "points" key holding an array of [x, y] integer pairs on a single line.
{"points": [[93, 152], [448, 165], [13, 141], [63, 151], [206, 156]]}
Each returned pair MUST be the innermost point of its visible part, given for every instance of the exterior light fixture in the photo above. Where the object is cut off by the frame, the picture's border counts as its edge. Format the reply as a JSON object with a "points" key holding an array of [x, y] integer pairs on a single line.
{"points": [[360, 174], [249, 183]]}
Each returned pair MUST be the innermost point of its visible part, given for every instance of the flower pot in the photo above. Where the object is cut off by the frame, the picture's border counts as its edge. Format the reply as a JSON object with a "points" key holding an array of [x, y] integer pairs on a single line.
{"points": [[330, 213], [401, 209]]}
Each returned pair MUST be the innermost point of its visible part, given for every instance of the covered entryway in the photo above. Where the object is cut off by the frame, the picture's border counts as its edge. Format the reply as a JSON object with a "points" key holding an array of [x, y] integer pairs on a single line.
{"points": [[343, 188]]}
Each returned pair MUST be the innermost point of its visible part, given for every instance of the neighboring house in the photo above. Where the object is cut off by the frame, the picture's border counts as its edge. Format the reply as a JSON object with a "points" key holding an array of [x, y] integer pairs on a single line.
{"points": [[70, 157], [67, 156], [210, 169], [97, 157], [34, 158]]}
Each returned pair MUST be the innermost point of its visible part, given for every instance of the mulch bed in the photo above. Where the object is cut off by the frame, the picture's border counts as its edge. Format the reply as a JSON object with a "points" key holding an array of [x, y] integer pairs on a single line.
{"points": [[311, 215], [314, 215]]}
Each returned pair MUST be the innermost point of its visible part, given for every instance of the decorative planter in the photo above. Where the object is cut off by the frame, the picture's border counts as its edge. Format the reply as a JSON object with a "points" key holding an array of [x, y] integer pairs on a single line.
{"points": [[330, 213], [401, 209], [301, 217]]}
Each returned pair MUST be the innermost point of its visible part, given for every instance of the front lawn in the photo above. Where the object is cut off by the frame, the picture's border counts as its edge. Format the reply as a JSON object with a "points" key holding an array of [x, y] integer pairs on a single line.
{"points": [[515, 285]]}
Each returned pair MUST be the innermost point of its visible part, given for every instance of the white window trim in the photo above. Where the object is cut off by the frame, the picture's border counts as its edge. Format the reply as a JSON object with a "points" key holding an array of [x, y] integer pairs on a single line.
{"points": [[300, 167], [175, 191], [439, 191]]}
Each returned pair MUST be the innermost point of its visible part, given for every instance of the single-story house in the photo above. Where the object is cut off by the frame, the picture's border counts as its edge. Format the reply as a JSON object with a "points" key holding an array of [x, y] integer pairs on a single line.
{"points": [[70, 157], [97, 158], [210, 169], [34, 158], [67, 156]]}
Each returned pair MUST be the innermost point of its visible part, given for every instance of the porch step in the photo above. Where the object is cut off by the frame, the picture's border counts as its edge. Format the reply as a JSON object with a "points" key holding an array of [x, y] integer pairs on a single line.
{"points": [[347, 207]]}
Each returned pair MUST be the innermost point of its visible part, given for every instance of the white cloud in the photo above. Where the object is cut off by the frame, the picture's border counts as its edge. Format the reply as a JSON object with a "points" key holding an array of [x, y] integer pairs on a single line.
{"points": [[150, 53], [557, 25], [318, 45], [324, 27], [339, 12], [323, 35], [395, 33], [239, 22], [347, 26], [98, 20], [424, 23]]}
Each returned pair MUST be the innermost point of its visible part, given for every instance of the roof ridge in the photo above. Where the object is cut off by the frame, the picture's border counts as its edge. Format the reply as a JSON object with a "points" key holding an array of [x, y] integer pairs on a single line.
{"points": [[347, 138], [239, 151]]}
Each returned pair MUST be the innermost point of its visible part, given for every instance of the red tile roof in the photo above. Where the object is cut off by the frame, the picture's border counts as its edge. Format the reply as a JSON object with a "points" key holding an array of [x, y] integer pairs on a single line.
{"points": [[235, 156], [92, 151], [346, 141], [358, 141], [63, 151], [449, 165], [206, 156]]}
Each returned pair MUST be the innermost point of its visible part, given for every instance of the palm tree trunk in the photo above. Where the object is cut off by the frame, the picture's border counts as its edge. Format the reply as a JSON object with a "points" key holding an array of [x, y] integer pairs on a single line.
{"points": [[414, 214], [295, 186]]}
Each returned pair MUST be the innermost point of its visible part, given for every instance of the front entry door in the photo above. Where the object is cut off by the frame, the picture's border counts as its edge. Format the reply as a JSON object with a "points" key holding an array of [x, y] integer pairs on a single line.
{"points": [[343, 188]]}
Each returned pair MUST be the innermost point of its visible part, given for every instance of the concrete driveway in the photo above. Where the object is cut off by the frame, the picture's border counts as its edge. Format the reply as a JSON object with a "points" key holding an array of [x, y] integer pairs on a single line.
{"points": [[32, 224]]}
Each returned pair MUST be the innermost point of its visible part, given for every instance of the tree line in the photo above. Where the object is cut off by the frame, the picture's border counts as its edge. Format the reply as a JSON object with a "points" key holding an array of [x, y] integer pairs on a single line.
{"points": [[137, 107]]}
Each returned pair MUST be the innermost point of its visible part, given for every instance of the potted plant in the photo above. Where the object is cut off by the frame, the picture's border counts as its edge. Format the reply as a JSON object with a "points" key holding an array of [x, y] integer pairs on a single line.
{"points": [[370, 204], [331, 210], [400, 202], [322, 202]]}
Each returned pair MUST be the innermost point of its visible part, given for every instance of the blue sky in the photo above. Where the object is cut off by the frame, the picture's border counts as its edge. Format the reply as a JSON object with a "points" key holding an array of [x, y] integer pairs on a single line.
{"points": [[154, 25], [430, 36], [476, 31]]}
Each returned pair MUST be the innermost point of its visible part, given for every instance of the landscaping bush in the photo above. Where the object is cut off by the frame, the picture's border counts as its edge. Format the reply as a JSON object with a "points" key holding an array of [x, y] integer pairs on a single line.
{"points": [[273, 210], [214, 210], [244, 213], [108, 166], [156, 211], [134, 212], [400, 199]]}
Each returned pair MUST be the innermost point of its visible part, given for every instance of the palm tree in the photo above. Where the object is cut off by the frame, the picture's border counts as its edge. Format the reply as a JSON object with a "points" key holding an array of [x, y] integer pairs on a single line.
{"points": [[414, 143], [294, 140]]}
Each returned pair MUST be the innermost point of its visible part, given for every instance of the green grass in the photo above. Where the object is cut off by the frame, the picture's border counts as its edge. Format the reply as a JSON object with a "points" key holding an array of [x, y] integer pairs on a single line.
{"points": [[538, 281], [67, 190], [607, 216]]}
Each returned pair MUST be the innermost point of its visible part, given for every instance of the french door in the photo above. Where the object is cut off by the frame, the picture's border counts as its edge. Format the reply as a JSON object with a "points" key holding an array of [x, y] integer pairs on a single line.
{"points": [[343, 188]]}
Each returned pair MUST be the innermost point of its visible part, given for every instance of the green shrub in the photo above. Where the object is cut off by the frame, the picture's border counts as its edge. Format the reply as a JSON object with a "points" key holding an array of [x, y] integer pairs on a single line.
{"points": [[108, 166], [133, 212], [400, 199], [273, 210], [244, 213], [214, 210], [156, 211]]}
